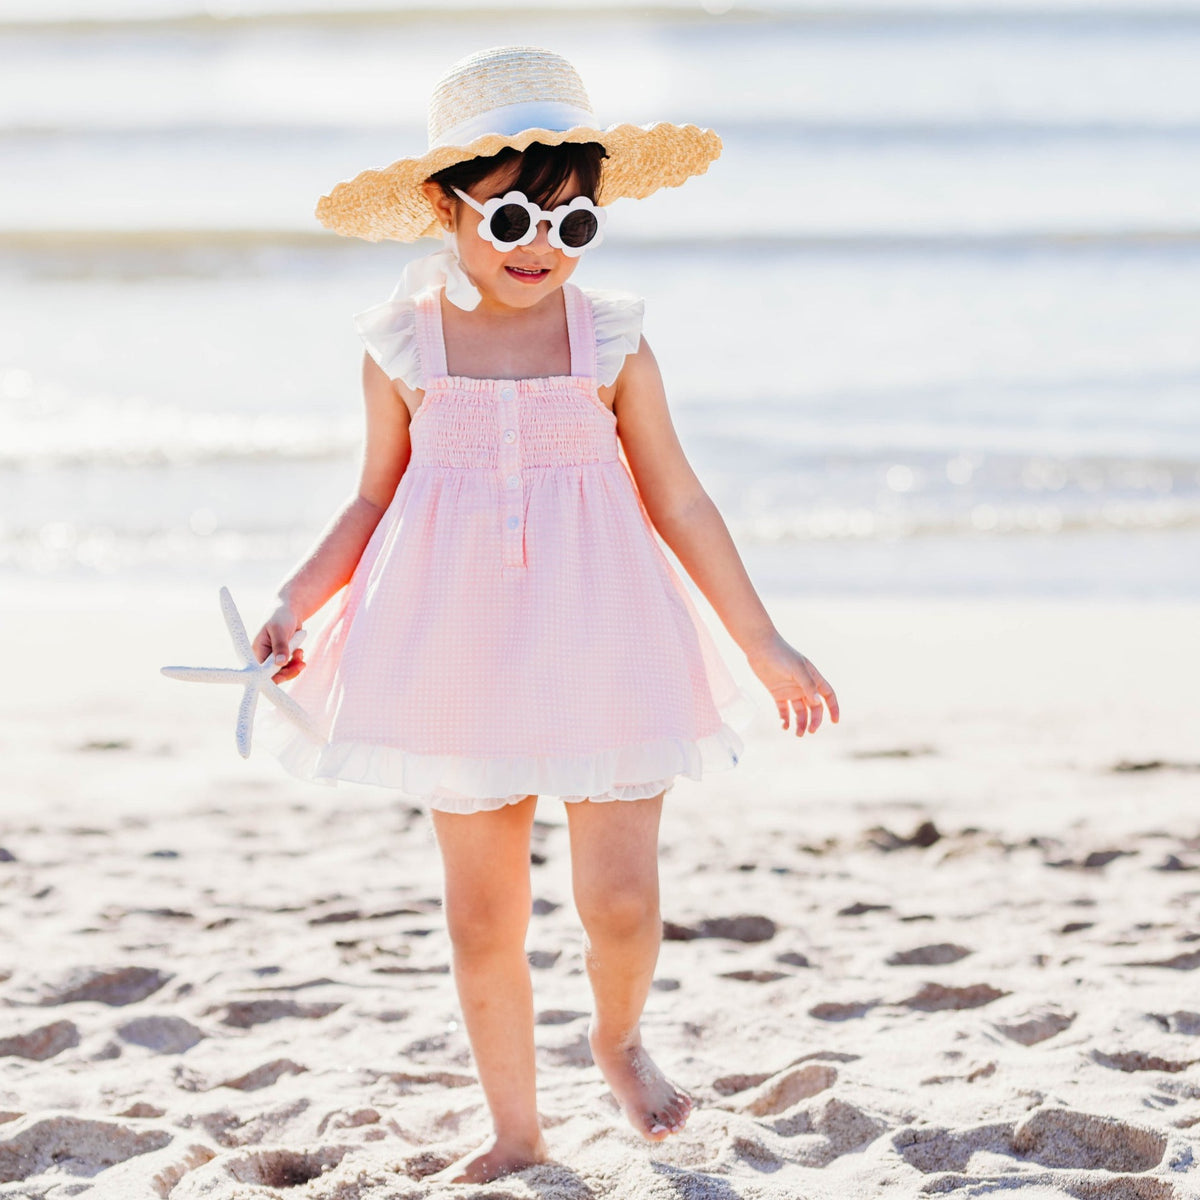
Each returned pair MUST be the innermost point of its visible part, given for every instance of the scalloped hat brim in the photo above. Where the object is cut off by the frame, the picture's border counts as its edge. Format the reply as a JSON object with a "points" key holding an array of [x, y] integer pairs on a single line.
{"points": [[389, 204]]}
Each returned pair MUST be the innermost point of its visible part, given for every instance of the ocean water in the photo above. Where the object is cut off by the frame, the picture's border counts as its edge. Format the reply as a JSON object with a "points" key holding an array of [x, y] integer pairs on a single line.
{"points": [[928, 325]]}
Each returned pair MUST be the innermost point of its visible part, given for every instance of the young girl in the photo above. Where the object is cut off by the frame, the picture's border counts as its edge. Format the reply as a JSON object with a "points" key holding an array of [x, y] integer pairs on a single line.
{"points": [[511, 627]]}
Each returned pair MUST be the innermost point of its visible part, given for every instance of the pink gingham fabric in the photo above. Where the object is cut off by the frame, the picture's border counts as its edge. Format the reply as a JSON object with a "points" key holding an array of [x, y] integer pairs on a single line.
{"points": [[513, 626]]}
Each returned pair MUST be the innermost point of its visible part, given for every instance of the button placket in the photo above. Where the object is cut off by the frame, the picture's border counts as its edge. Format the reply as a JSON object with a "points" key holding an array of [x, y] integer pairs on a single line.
{"points": [[509, 472]]}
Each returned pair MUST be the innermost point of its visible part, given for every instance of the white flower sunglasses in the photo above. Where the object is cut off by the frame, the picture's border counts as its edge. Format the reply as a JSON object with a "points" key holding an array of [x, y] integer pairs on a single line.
{"points": [[511, 220]]}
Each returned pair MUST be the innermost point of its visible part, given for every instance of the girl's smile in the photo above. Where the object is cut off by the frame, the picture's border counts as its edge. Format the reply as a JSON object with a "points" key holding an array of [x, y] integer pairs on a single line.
{"points": [[527, 274]]}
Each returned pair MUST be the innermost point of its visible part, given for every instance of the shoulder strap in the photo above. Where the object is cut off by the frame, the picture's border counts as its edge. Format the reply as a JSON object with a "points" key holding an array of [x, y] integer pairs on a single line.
{"points": [[429, 334], [581, 331]]}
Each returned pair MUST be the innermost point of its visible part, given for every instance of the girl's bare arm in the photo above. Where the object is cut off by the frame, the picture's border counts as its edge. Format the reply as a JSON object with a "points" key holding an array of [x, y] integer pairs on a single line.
{"points": [[690, 524], [330, 564]]}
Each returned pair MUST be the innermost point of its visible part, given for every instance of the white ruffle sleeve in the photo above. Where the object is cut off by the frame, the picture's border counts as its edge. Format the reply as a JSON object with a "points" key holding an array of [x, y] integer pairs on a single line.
{"points": [[389, 332], [618, 320]]}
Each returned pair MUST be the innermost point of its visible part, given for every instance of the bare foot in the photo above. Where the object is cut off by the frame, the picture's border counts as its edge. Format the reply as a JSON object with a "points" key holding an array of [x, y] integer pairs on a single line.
{"points": [[655, 1107], [493, 1159]]}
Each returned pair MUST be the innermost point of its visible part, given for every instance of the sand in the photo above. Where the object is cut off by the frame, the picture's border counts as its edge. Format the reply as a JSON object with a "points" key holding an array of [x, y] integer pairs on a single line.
{"points": [[951, 946]]}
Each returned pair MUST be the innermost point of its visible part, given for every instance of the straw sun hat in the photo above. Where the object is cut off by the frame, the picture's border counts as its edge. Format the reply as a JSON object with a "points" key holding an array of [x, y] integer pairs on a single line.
{"points": [[511, 96]]}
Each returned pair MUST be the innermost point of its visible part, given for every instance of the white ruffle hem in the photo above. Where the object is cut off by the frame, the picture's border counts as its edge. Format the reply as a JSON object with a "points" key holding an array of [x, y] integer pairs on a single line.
{"points": [[456, 784]]}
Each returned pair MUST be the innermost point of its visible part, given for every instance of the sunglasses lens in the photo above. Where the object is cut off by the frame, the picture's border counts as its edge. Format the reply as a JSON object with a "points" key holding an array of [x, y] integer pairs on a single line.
{"points": [[510, 223], [578, 228]]}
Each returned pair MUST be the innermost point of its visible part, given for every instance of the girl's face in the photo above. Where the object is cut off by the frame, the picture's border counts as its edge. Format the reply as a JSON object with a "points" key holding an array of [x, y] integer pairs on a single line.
{"points": [[517, 278]]}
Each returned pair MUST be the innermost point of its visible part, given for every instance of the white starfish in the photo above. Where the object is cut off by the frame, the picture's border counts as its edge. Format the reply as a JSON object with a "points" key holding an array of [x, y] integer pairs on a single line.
{"points": [[254, 676]]}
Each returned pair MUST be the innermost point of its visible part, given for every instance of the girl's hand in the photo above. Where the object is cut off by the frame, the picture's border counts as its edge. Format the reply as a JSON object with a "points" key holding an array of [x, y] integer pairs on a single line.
{"points": [[792, 679], [273, 639]]}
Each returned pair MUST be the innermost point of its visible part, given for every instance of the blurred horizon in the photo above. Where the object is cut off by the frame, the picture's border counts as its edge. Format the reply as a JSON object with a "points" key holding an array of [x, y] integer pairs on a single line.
{"points": [[927, 325]]}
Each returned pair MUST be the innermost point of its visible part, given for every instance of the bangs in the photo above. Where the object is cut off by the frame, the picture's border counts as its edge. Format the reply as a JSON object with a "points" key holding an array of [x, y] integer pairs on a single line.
{"points": [[543, 173]]}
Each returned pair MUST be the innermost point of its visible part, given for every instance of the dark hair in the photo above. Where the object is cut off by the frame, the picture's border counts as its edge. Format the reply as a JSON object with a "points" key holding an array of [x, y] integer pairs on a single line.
{"points": [[542, 174]]}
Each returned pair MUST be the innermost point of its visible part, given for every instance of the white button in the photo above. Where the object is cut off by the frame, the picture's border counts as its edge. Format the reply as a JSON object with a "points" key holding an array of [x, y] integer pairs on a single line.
{"points": [[513, 522], [510, 435], [507, 393]]}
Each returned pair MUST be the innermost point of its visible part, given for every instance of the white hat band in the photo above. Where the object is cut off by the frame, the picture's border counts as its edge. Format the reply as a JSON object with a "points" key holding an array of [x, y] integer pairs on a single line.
{"points": [[511, 119]]}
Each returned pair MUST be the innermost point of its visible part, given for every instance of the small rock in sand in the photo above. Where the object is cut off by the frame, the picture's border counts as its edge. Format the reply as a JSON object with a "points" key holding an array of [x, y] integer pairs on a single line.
{"points": [[1173, 862], [752, 976], [1138, 1060], [793, 958], [142, 1109], [1178, 962], [558, 1016], [243, 1014], [859, 907], [70, 1145], [933, 997], [161, 1032], [749, 927], [1180, 1021], [1059, 1137], [925, 835], [937, 955], [41, 1043], [114, 986], [1035, 1026], [730, 1085], [832, 1010], [263, 1076]]}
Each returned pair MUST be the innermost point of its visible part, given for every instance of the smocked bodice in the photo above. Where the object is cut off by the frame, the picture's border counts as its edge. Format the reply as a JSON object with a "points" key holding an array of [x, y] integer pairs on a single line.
{"points": [[511, 424]]}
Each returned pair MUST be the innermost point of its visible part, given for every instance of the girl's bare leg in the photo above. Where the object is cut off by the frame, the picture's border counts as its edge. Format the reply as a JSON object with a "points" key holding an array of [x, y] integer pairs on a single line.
{"points": [[614, 864], [485, 856]]}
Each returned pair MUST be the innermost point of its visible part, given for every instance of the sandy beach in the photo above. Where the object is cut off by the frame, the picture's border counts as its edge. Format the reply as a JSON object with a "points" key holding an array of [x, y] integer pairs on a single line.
{"points": [[947, 947]]}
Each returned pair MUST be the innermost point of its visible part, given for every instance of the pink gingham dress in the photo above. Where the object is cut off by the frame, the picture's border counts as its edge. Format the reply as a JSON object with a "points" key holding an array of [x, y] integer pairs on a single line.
{"points": [[513, 626]]}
